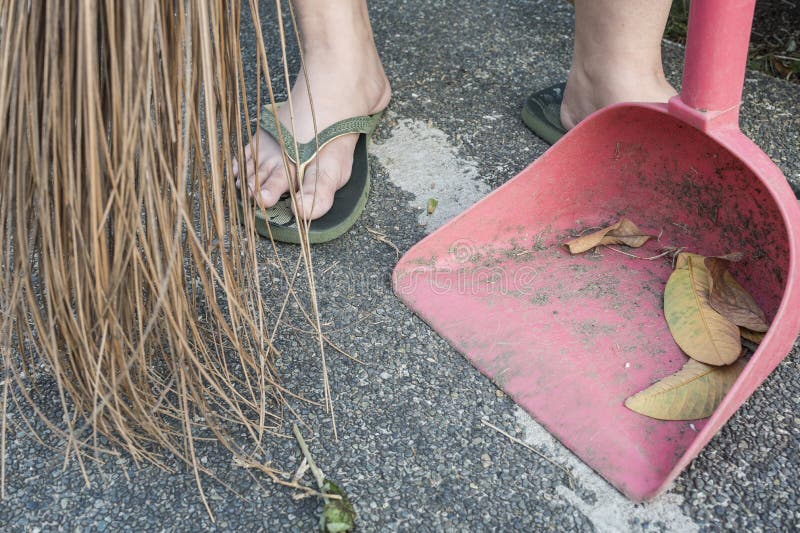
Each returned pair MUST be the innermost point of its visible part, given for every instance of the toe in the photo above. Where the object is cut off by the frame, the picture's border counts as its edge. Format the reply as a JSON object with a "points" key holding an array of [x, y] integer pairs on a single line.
{"points": [[273, 183], [312, 204], [329, 172], [320, 184], [246, 154]]}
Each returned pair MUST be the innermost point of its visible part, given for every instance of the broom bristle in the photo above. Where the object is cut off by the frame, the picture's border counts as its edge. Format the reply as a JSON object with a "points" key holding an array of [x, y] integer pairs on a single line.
{"points": [[123, 275]]}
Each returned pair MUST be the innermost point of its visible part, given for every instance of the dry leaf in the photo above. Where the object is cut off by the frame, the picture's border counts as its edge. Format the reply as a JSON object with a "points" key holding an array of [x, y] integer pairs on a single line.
{"points": [[700, 331], [752, 336], [731, 300], [623, 232], [693, 392]]}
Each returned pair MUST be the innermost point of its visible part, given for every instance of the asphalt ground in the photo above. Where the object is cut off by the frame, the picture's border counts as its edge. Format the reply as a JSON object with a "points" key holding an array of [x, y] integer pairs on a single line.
{"points": [[412, 453]]}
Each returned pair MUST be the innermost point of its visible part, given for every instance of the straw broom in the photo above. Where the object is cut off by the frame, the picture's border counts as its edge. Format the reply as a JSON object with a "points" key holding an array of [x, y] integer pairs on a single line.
{"points": [[124, 277]]}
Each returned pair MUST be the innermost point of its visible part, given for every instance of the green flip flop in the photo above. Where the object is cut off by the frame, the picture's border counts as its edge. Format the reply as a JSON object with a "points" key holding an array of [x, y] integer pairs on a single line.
{"points": [[348, 202], [542, 113]]}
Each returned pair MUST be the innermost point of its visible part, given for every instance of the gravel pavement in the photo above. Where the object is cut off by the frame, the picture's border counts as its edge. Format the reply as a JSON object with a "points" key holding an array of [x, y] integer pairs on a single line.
{"points": [[413, 454]]}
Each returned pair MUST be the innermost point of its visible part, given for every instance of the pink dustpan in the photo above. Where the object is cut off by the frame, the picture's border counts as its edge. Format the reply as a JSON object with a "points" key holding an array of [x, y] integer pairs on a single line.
{"points": [[569, 338]]}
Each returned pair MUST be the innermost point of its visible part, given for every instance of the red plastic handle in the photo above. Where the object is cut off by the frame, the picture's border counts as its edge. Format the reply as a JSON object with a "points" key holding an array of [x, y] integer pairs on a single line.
{"points": [[716, 57]]}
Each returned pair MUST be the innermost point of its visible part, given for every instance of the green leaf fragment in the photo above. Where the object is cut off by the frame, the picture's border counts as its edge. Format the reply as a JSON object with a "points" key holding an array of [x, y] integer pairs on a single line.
{"points": [[432, 203], [338, 515]]}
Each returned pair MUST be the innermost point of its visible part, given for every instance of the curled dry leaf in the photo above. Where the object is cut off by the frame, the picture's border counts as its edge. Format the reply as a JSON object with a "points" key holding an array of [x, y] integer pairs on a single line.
{"points": [[700, 331], [623, 232], [693, 392], [752, 336], [730, 299]]}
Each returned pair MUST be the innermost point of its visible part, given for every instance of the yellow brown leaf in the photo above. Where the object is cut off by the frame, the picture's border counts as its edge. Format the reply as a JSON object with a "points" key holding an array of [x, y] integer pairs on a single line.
{"points": [[731, 300], [623, 232], [701, 332], [752, 336], [693, 392]]}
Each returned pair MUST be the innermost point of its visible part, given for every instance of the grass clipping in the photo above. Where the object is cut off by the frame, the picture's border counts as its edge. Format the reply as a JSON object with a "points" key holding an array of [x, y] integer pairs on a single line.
{"points": [[128, 295]]}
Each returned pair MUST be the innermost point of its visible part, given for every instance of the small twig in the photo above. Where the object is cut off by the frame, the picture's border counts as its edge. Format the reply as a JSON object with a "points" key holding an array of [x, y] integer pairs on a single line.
{"points": [[301, 471], [275, 476], [354, 322], [318, 475], [534, 450], [307, 492], [674, 261], [668, 250], [624, 253], [324, 272], [684, 227], [584, 231], [343, 352], [382, 238]]}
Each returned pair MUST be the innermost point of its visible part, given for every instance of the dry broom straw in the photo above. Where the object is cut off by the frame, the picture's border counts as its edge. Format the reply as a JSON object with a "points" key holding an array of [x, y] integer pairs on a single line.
{"points": [[123, 277]]}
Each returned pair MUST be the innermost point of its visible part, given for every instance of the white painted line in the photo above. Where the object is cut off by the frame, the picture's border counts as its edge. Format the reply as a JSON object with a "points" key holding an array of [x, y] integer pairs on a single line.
{"points": [[420, 159], [611, 512]]}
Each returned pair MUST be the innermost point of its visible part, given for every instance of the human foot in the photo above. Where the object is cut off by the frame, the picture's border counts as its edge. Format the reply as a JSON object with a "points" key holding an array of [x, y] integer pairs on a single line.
{"points": [[617, 56], [346, 79], [585, 94]]}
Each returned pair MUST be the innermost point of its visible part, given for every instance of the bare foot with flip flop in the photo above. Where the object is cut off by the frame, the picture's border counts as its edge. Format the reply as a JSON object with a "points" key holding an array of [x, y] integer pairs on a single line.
{"points": [[617, 58], [350, 90]]}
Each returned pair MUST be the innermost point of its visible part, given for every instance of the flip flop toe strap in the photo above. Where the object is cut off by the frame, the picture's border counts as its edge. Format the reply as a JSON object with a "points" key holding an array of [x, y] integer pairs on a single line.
{"points": [[307, 151], [281, 213]]}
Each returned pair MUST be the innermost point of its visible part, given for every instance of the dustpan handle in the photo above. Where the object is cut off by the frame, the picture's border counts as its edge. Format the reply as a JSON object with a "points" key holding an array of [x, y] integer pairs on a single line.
{"points": [[716, 57]]}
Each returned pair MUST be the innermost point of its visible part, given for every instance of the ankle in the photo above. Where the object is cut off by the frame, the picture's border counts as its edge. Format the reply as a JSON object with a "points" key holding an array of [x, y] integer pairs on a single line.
{"points": [[355, 76], [593, 86], [348, 46]]}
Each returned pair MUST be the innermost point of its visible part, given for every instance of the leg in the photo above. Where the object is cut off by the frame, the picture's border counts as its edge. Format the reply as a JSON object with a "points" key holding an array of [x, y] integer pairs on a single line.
{"points": [[617, 56], [346, 79]]}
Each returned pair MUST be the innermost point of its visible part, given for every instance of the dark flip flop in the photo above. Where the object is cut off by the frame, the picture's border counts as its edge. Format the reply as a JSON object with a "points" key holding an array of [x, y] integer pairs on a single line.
{"points": [[542, 113], [348, 202]]}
